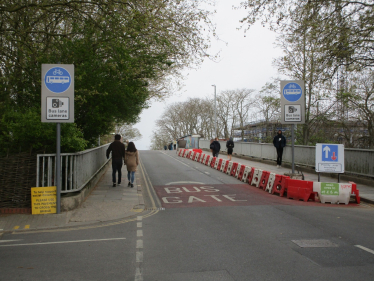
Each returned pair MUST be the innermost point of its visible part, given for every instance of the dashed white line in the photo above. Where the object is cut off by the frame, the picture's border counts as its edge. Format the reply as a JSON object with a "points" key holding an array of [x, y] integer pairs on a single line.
{"points": [[63, 242], [139, 251], [139, 244], [365, 249], [139, 256]]}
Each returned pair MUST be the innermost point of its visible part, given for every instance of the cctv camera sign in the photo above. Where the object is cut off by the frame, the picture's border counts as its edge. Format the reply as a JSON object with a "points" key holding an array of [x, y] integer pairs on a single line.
{"points": [[292, 102], [58, 93]]}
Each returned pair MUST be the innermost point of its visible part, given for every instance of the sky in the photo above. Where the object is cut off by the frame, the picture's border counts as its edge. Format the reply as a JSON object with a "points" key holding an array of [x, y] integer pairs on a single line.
{"points": [[245, 62]]}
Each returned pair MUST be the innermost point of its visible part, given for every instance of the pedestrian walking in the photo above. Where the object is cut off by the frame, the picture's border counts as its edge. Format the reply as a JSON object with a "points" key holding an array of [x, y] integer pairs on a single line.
{"points": [[230, 147], [216, 147], [279, 142], [132, 162], [117, 148]]}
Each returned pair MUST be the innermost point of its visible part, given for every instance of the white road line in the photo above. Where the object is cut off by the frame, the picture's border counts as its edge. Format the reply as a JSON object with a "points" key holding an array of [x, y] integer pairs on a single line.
{"points": [[139, 218], [138, 275], [139, 233], [63, 242], [139, 244], [365, 249], [139, 224], [139, 256], [6, 241]]}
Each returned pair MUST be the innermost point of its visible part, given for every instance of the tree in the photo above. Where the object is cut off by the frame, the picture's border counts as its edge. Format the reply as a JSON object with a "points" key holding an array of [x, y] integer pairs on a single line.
{"points": [[242, 102], [125, 53]]}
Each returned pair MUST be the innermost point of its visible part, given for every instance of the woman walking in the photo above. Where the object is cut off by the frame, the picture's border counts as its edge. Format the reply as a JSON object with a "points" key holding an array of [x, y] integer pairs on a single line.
{"points": [[132, 162], [229, 146]]}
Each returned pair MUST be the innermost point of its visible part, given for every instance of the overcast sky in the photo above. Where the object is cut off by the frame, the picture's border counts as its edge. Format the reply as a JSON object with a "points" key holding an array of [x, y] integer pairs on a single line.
{"points": [[245, 62]]}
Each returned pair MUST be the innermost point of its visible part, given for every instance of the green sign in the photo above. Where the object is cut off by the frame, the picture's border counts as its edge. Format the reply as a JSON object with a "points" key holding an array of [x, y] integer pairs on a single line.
{"points": [[329, 188]]}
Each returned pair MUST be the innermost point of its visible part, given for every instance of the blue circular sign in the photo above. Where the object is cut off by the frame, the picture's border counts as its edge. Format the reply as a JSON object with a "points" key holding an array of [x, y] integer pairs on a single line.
{"points": [[57, 80], [292, 92]]}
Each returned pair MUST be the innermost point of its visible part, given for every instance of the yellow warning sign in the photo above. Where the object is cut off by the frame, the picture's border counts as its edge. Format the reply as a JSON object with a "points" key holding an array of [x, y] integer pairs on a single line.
{"points": [[43, 200]]}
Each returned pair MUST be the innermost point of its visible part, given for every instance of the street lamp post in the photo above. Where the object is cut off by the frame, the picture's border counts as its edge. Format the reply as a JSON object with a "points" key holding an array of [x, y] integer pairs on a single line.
{"points": [[215, 112]]}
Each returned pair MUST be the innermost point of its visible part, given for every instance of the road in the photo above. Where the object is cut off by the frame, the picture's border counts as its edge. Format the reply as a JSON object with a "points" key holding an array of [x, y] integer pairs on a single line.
{"points": [[202, 225]]}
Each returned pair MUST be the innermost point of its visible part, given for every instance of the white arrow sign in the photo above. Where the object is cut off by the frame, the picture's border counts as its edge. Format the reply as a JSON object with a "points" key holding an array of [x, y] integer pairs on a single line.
{"points": [[326, 150]]}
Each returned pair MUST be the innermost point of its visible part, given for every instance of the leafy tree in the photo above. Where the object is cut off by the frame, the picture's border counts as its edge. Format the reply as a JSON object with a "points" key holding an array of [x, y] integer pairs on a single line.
{"points": [[125, 53]]}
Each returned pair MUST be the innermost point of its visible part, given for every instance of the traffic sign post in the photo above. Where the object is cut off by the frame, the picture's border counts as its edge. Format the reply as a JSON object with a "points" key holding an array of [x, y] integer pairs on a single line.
{"points": [[329, 158], [57, 107], [292, 108]]}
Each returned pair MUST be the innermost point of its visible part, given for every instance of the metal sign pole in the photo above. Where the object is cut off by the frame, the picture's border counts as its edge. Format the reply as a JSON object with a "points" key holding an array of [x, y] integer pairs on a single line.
{"points": [[293, 148], [58, 168]]}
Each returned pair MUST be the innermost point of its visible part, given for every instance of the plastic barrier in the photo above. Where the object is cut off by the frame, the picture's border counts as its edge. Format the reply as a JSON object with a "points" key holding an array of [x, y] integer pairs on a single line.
{"points": [[188, 155], [180, 152], [234, 167], [197, 157], [334, 193], [299, 189], [280, 185], [256, 177], [355, 192], [270, 184], [209, 160], [226, 166], [214, 159], [229, 167], [247, 170], [250, 175], [264, 179], [203, 158], [240, 172], [197, 150], [192, 156], [218, 164]]}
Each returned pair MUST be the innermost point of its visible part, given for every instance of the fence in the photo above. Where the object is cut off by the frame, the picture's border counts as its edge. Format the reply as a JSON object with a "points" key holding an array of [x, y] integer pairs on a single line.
{"points": [[17, 176], [357, 161], [77, 169]]}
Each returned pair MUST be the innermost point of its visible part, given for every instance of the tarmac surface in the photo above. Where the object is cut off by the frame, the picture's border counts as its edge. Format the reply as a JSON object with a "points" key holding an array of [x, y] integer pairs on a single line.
{"points": [[107, 203]]}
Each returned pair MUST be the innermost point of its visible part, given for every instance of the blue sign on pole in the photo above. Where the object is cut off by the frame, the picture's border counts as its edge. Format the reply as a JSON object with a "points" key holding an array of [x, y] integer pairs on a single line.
{"points": [[330, 152], [292, 92], [57, 80]]}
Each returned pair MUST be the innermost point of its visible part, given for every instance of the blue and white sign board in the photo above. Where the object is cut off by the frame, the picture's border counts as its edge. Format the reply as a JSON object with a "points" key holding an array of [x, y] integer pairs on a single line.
{"points": [[292, 102], [58, 93], [329, 158]]}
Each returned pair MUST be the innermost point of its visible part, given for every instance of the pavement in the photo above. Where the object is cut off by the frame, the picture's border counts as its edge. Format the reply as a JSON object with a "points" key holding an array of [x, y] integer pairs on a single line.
{"points": [[107, 203], [104, 203]]}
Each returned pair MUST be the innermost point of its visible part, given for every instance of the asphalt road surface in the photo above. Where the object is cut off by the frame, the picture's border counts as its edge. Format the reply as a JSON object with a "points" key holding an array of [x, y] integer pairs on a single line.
{"points": [[202, 225]]}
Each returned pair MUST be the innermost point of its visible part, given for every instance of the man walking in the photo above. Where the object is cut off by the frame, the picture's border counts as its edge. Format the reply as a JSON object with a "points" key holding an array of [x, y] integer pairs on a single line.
{"points": [[118, 154], [279, 142], [216, 147]]}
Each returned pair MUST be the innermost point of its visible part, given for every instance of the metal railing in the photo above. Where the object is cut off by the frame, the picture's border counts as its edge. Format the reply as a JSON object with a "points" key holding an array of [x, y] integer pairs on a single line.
{"points": [[357, 161], [77, 169]]}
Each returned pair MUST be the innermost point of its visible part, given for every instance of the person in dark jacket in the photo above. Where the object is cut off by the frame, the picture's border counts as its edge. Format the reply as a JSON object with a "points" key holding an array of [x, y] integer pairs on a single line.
{"points": [[229, 146], [216, 147], [118, 154], [279, 142]]}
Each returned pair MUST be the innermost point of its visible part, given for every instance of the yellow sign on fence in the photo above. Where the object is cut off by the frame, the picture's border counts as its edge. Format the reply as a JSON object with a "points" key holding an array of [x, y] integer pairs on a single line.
{"points": [[43, 200]]}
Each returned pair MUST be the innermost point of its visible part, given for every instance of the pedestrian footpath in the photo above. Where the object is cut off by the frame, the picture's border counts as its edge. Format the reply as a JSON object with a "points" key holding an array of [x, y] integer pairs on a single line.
{"points": [[105, 203], [366, 191]]}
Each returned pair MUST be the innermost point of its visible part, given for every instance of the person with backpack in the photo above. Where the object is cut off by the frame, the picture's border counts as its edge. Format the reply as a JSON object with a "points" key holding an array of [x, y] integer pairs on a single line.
{"points": [[279, 142], [216, 147], [229, 146]]}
